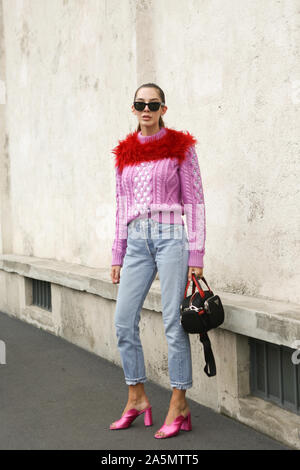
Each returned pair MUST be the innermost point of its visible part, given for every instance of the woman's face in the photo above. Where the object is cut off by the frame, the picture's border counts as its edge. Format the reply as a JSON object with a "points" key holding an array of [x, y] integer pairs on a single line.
{"points": [[148, 119]]}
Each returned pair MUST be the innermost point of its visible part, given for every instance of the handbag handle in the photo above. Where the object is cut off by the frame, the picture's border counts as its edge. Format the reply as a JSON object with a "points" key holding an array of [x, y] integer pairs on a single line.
{"points": [[203, 279], [195, 283]]}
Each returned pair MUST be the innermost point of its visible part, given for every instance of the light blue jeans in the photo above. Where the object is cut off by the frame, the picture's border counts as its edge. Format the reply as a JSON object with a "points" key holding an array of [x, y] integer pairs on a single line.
{"points": [[153, 246]]}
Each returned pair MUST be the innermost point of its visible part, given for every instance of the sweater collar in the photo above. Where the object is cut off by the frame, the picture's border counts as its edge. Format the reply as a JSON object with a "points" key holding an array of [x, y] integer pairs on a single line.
{"points": [[149, 138], [166, 143]]}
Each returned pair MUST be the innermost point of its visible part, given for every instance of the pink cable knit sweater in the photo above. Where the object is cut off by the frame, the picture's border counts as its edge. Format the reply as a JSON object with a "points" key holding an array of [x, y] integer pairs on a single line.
{"points": [[155, 189]]}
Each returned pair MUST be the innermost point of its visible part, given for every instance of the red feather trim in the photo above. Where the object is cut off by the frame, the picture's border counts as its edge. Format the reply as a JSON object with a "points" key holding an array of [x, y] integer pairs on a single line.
{"points": [[173, 144]]}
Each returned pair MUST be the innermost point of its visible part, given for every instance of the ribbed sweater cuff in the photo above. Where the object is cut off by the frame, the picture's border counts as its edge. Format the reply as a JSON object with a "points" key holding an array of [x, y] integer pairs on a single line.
{"points": [[196, 258], [117, 258]]}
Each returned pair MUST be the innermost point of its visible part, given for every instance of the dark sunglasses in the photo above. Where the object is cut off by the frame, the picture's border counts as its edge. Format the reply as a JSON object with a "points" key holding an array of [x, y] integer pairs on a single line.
{"points": [[153, 106]]}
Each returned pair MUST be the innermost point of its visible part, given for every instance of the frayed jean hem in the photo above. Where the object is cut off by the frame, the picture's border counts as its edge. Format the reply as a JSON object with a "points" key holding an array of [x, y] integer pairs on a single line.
{"points": [[135, 381], [181, 386]]}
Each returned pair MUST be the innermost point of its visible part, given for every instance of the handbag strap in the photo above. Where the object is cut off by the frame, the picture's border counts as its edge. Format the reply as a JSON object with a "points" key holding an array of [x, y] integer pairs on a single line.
{"points": [[196, 283], [199, 288], [208, 355]]}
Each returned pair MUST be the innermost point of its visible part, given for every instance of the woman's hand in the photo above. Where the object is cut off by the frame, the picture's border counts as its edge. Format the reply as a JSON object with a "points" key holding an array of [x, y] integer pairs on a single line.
{"points": [[198, 272], [115, 274]]}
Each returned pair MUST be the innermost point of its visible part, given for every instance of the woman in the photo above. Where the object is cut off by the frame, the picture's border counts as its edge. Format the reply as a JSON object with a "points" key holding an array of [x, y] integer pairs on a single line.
{"points": [[157, 181]]}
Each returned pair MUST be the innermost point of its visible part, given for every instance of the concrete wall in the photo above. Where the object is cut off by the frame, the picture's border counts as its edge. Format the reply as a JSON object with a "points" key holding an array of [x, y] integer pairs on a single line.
{"points": [[64, 62], [231, 73]]}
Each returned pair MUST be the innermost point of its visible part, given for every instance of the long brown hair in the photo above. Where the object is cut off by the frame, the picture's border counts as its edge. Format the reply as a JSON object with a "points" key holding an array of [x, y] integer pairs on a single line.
{"points": [[162, 97]]}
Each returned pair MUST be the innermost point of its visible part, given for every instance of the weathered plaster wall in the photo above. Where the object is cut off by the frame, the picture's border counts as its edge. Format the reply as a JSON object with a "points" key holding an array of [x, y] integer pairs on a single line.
{"points": [[230, 72], [64, 63], [5, 199]]}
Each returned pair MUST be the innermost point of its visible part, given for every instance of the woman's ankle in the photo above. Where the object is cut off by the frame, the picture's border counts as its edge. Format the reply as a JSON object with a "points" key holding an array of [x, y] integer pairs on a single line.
{"points": [[179, 402], [137, 394], [138, 399]]}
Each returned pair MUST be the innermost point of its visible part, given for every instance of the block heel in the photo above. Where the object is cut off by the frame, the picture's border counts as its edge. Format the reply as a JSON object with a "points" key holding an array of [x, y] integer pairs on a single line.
{"points": [[148, 417], [187, 423]]}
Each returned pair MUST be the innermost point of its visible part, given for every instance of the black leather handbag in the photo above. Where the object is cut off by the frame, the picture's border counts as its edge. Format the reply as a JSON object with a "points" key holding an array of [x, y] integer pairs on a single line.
{"points": [[200, 312]]}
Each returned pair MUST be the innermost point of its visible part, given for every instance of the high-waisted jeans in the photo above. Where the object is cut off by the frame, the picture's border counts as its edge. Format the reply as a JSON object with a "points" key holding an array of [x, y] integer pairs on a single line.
{"points": [[153, 246]]}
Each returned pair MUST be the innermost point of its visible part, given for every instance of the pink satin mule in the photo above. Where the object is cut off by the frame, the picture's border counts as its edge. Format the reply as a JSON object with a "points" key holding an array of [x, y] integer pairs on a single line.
{"points": [[170, 430], [130, 415]]}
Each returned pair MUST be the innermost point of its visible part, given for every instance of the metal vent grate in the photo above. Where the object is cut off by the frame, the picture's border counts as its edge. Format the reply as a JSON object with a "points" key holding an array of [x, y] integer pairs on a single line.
{"points": [[41, 294], [274, 376]]}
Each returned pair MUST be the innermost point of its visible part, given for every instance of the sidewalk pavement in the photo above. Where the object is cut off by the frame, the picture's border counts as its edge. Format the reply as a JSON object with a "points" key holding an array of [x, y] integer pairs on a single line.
{"points": [[56, 395]]}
